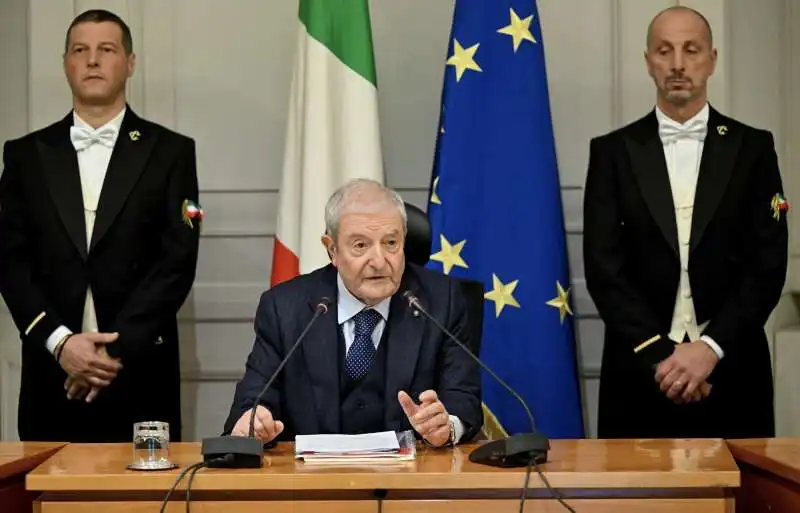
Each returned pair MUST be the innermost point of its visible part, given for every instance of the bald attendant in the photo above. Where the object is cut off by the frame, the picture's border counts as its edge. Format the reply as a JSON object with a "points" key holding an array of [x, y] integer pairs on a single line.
{"points": [[685, 247]]}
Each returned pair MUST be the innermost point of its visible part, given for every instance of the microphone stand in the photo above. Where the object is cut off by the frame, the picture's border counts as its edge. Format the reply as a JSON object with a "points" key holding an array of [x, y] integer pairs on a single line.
{"points": [[248, 452], [513, 451], [522, 450]]}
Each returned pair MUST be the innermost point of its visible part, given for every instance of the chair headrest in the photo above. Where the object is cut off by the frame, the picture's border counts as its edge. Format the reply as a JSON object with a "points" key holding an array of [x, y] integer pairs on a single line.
{"points": [[418, 238]]}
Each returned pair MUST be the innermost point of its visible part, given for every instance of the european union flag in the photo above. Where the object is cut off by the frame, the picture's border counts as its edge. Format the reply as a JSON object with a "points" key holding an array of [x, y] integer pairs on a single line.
{"points": [[495, 209]]}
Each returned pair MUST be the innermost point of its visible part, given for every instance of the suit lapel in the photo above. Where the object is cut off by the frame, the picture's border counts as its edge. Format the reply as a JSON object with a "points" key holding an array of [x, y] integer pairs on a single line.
{"points": [[321, 353], [404, 340], [719, 153], [650, 167], [132, 149], [60, 166]]}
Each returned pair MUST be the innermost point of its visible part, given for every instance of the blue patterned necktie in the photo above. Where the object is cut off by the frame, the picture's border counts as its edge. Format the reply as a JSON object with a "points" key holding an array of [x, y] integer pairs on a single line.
{"points": [[362, 351]]}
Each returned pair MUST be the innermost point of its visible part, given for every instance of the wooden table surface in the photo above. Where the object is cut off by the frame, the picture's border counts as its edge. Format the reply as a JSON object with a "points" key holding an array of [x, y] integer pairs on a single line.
{"points": [[781, 456], [579, 464], [770, 474], [18, 457], [16, 460]]}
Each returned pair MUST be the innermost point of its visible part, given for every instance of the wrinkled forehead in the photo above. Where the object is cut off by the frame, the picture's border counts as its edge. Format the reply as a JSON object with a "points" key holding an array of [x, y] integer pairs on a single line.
{"points": [[371, 219]]}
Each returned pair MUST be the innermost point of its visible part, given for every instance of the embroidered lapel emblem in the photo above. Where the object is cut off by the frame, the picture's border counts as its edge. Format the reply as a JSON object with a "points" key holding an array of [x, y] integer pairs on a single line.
{"points": [[134, 135], [191, 210], [778, 205], [722, 129]]}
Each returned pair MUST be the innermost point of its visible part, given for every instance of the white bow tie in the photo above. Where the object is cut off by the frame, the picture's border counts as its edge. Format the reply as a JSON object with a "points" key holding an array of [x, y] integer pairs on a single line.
{"points": [[83, 137], [670, 132]]}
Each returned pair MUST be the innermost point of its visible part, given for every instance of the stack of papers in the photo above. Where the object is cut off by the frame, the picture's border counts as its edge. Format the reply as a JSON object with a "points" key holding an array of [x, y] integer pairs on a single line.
{"points": [[366, 448]]}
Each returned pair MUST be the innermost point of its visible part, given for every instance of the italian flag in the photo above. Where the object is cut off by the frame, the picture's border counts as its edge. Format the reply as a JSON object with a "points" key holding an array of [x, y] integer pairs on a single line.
{"points": [[333, 134]]}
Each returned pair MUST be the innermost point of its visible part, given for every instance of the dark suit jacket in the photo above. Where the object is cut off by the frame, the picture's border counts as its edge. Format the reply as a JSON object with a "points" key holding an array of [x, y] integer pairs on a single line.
{"points": [[737, 264], [140, 266], [306, 394]]}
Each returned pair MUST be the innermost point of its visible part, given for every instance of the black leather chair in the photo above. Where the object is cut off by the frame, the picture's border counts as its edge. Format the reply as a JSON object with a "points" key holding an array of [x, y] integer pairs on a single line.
{"points": [[418, 250]]}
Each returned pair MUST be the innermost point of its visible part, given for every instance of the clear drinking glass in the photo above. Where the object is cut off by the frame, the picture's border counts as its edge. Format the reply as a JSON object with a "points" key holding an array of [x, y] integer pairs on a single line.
{"points": [[151, 446]]}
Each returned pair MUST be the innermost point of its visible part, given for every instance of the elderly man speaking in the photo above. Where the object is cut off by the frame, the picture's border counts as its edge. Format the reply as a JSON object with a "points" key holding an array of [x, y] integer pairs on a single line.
{"points": [[369, 364]]}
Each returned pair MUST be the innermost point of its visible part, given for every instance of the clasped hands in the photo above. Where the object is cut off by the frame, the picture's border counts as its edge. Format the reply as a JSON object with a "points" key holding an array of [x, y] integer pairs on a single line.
{"points": [[429, 418], [88, 365], [682, 376]]}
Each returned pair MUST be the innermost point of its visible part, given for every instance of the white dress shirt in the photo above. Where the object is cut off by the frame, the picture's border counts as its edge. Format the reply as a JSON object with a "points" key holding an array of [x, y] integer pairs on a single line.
{"points": [[347, 308], [683, 148], [92, 164]]}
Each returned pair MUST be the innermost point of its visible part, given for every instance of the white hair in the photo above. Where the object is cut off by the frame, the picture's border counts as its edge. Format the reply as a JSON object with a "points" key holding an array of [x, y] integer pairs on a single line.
{"points": [[350, 194]]}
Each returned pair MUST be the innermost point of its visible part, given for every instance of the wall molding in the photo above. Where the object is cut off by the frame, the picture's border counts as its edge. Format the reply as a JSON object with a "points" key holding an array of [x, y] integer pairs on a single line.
{"points": [[158, 68], [246, 233], [208, 376], [616, 70], [225, 376], [718, 14], [791, 120], [8, 402], [221, 302]]}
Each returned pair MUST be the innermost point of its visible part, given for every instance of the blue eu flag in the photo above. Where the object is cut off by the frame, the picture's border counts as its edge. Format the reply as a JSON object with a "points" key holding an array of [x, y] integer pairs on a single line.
{"points": [[495, 209]]}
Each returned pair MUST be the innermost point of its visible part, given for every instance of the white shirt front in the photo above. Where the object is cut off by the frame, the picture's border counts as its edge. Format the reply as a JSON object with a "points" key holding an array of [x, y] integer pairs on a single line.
{"points": [[92, 165], [347, 308], [683, 155]]}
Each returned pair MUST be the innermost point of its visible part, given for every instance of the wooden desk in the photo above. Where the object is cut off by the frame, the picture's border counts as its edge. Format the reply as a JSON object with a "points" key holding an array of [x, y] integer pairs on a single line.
{"points": [[16, 460], [770, 470], [597, 476]]}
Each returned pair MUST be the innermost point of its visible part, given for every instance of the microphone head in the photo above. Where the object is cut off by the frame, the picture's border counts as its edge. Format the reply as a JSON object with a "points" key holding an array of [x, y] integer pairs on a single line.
{"points": [[322, 306]]}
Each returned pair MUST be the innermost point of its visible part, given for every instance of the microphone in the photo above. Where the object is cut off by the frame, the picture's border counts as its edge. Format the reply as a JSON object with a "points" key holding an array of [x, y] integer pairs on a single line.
{"points": [[514, 451], [248, 452]]}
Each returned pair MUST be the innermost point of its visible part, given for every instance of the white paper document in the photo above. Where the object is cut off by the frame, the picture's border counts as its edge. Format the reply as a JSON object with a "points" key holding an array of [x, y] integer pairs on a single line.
{"points": [[384, 441]]}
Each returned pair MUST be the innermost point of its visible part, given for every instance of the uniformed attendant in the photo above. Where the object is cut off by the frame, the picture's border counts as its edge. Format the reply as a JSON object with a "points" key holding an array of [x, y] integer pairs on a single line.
{"points": [[99, 223], [685, 247]]}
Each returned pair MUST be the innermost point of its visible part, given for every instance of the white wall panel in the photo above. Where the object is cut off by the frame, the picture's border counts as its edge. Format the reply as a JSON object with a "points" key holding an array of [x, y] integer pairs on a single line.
{"points": [[590, 391], [232, 87], [14, 91], [580, 72], [721, 18], [234, 260], [221, 348], [49, 98], [206, 403], [410, 67], [634, 92]]}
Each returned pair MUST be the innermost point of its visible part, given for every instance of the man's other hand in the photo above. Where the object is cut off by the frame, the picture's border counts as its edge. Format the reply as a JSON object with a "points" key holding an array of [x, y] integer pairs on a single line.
{"points": [[684, 373], [429, 418], [266, 428], [81, 358]]}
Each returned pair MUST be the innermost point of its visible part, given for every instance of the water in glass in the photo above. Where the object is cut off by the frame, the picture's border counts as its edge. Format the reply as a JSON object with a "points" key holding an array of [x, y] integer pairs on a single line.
{"points": [[151, 444]]}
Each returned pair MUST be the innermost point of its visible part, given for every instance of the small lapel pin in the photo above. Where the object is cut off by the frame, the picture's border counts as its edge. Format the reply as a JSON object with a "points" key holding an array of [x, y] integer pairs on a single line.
{"points": [[415, 313], [722, 129], [134, 135]]}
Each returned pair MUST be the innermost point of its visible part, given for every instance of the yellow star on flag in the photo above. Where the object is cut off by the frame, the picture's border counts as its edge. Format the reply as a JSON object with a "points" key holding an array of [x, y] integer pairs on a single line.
{"points": [[463, 59], [518, 29], [435, 195], [561, 301], [502, 294], [450, 255]]}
